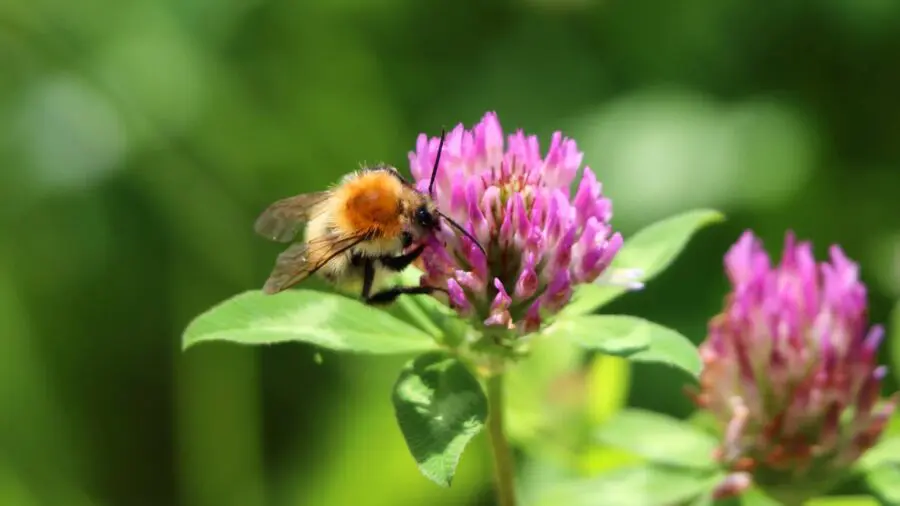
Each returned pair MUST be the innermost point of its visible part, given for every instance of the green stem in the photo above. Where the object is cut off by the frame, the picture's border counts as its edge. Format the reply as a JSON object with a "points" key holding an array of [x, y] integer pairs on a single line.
{"points": [[503, 463]]}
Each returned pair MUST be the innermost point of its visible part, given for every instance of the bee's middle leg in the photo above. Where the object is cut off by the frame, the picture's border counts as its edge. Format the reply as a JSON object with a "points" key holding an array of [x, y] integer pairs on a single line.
{"points": [[390, 295], [368, 278]]}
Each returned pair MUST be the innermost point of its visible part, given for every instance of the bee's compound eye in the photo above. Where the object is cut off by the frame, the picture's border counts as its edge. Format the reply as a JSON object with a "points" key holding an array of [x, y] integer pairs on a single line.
{"points": [[424, 218], [406, 239]]}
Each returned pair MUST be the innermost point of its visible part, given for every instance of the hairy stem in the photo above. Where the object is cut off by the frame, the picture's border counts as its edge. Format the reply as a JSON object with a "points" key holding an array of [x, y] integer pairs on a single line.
{"points": [[503, 463]]}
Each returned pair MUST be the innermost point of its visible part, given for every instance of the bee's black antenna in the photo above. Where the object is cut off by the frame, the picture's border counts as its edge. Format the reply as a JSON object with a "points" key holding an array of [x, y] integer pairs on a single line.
{"points": [[437, 160], [464, 232]]}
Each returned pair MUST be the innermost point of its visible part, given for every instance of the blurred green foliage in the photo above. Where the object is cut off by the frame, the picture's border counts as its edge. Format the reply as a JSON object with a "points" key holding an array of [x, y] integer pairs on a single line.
{"points": [[139, 139]]}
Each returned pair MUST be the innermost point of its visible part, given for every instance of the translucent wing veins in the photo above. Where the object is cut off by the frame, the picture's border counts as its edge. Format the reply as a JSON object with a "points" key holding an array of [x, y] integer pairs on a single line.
{"points": [[282, 220], [301, 260]]}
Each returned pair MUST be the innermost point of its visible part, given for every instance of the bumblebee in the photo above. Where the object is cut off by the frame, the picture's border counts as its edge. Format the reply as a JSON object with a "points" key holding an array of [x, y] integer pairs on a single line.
{"points": [[371, 224]]}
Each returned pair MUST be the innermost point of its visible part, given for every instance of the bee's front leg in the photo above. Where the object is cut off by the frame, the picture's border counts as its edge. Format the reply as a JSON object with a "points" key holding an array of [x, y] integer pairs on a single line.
{"points": [[401, 262], [398, 263]]}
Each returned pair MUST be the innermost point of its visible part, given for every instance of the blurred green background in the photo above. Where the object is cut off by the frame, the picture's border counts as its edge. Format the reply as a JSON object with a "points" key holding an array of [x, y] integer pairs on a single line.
{"points": [[139, 139]]}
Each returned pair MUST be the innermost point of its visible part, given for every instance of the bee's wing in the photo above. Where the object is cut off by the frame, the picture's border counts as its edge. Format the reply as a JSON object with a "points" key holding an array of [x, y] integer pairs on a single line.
{"points": [[301, 260], [281, 221]]}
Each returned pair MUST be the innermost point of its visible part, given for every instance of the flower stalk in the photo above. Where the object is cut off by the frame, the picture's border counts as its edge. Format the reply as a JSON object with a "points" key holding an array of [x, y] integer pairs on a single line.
{"points": [[500, 451]]}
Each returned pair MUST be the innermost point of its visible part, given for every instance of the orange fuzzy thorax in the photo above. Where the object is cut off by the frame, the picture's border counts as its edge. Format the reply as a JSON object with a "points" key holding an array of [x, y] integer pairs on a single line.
{"points": [[370, 201]]}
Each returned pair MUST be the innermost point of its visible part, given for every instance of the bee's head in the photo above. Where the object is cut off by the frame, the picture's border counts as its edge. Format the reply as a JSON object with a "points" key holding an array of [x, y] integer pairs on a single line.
{"points": [[426, 216], [423, 219]]}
